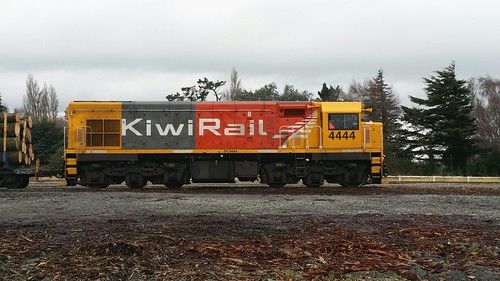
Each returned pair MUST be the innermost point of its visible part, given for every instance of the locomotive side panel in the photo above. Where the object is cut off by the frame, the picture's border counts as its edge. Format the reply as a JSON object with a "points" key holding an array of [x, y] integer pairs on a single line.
{"points": [[233, 126], [159, 125], [298, 126], [253, 125]]}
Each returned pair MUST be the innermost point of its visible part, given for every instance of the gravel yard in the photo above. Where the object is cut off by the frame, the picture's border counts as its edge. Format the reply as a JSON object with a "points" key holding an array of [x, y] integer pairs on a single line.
{"points": [[249, 231]]}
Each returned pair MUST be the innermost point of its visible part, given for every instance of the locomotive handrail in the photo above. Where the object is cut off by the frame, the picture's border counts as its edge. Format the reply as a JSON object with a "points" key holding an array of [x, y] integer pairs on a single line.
{"points": [[366, 131], [83, 135], [364, 138], [320, 137], [4, 151], [292, 135], [64, 137]]}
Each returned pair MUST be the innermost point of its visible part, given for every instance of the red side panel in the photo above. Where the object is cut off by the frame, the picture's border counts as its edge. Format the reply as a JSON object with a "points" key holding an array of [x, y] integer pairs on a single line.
{"points": [[244, 125]]}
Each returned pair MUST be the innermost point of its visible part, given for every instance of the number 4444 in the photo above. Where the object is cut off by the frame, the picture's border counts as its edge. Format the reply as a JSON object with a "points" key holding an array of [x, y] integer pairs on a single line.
{"points": [[342, 135]]}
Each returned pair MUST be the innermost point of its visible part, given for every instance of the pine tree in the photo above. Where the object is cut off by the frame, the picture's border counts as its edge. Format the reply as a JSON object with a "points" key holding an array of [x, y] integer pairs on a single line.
{"points": [[415, 141], [330, 93], [447, 115], [379, 96], [386, 108]]}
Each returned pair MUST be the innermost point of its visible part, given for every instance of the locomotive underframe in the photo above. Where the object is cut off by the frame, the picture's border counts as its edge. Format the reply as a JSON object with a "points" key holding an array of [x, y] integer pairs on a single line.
{"points": [[175, 170]]}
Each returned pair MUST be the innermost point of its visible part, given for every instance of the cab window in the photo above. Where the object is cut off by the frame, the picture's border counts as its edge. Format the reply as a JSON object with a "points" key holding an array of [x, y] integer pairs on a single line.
{"points": [[343, 121]]}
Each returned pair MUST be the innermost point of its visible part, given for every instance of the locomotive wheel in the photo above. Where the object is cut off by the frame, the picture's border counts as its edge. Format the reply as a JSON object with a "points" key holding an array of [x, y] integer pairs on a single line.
{"points": [[314, 179], [265, 178], [135, 180]]}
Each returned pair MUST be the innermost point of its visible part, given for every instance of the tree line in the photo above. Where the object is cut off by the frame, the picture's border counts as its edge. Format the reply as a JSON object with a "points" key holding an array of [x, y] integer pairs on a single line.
{"points": [[454, 130]]}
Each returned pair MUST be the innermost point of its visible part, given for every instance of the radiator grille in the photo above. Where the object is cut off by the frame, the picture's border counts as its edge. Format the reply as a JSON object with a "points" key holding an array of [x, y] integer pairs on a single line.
{"points": [[103, 132]]}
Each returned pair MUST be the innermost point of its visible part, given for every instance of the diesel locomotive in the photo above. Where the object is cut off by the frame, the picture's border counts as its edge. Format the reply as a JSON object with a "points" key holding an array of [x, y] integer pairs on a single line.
{"points": [[177, 143]]}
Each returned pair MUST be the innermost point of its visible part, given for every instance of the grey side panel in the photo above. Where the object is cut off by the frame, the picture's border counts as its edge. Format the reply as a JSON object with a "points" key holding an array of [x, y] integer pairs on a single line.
{"points": [[158, 125]]}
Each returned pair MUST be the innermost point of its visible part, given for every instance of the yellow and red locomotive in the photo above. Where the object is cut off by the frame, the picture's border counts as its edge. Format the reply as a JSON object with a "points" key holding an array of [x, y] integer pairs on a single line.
{"points": [[175, 143]]}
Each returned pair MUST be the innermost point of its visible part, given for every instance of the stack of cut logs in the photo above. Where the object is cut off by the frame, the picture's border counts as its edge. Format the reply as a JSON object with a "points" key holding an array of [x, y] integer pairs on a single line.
{"points": [[19, 148]]}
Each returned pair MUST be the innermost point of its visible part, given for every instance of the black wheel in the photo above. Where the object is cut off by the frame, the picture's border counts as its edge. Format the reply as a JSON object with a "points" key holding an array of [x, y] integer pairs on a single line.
{"points": [[20, 181], [135, 180], [314, 179], [265, 178], [94, 178]]}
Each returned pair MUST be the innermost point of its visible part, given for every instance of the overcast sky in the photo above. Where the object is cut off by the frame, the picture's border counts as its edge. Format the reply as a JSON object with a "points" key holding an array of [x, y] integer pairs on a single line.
{"points": [[144, 50]]}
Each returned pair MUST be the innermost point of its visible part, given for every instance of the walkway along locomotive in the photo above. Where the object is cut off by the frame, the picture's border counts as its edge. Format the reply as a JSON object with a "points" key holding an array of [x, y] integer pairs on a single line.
{"points": [[176, 143]]}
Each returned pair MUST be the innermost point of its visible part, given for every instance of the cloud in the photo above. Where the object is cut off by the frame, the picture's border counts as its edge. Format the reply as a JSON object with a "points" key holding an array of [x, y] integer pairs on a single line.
{"points": [[147, 49]]}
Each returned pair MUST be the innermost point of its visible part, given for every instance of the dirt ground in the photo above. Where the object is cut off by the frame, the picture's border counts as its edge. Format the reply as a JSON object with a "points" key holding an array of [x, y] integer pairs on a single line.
{"points": [[251, 232]]}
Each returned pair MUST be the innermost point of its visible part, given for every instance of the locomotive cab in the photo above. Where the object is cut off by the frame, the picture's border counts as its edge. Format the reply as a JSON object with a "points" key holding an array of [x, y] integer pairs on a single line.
{"points": [[354, 147], [341, 124]]}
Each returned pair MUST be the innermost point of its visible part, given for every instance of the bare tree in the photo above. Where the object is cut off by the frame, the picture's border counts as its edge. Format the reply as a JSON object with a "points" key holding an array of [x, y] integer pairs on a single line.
{"points": [[41, 104], [44, 103], [358, 91], [32, 99], [53, 103], [486, 93], [235, 86]]}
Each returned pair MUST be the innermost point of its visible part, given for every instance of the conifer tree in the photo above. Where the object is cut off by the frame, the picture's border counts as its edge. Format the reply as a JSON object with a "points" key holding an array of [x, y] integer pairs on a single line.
{"points": [[386, 108], [330, 93], [447, 117]]}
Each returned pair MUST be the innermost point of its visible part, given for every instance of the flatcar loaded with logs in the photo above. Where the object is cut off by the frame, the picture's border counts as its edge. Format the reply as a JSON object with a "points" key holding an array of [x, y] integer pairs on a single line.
{"points": [[17, 151], [177, 143]]}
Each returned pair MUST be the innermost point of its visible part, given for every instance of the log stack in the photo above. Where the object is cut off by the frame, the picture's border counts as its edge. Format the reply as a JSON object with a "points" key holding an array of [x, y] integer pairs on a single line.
{"points": [[15, 132]]}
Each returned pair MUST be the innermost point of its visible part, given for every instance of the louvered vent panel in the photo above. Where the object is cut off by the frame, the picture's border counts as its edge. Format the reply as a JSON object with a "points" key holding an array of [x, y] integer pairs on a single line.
{"points": [[112, 140], [112, 126], [103, 133]]}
